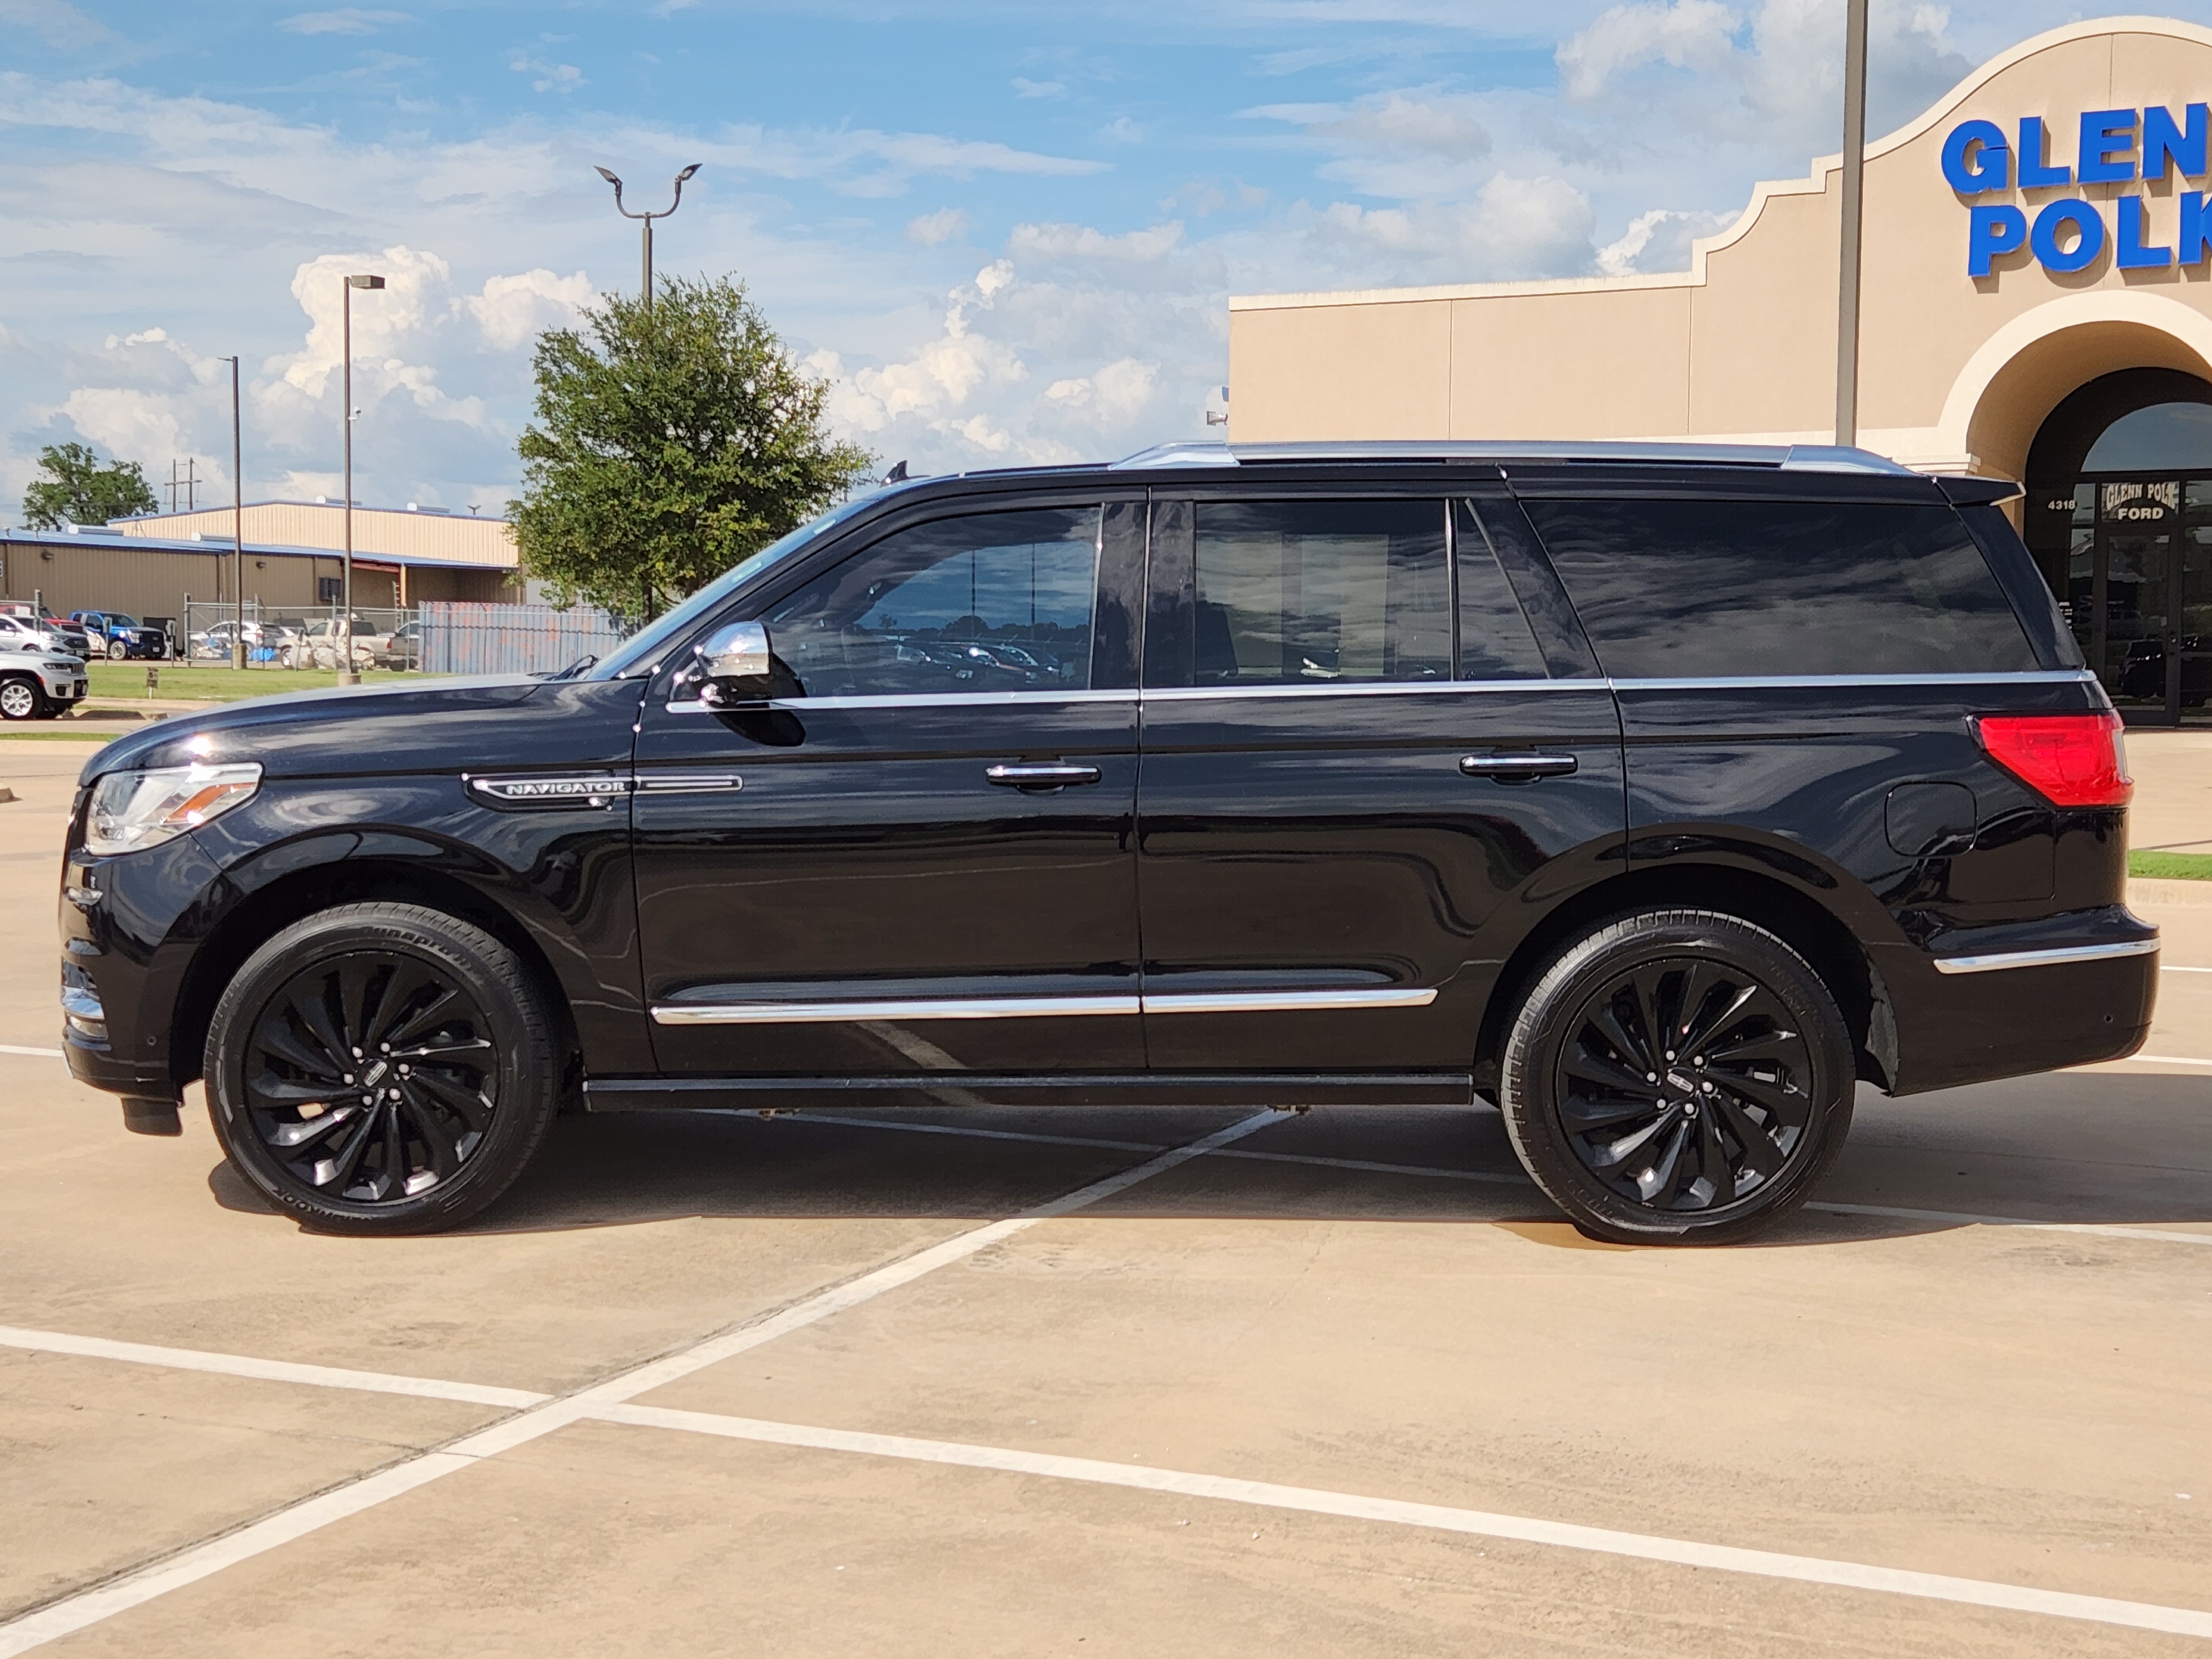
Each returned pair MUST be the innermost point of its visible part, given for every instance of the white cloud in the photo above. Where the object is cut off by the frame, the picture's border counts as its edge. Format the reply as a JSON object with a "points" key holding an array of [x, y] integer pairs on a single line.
{"points": [[551, 77], [1025, 87], [1698, 35], [935, 230], [1659, 240], [1122, 130], [345, 20], [513, 311], [58, 21]]}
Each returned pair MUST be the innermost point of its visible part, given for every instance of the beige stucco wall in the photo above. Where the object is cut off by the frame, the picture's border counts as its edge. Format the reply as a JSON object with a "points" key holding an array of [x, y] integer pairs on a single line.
{"points": [[1956, 374]]}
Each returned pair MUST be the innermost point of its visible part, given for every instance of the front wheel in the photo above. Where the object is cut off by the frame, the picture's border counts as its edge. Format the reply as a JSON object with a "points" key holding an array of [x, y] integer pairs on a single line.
{"points": [[20, 700], [116, 651], [1677, 1077], [382, 1069]]}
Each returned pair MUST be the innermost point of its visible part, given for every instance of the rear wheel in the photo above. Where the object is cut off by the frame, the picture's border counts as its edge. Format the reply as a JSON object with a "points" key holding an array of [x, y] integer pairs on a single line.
{"points": [[382, 1069], [1678, 1076], [21, 699]]}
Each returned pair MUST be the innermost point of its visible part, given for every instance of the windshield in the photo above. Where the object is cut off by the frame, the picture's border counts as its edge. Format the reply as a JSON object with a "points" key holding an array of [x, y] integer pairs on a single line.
{"points": [[642, 650]]}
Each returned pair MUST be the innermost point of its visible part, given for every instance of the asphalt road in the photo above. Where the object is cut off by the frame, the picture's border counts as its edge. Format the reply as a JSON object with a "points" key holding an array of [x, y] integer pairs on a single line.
{"points": [[1155, 1383]]}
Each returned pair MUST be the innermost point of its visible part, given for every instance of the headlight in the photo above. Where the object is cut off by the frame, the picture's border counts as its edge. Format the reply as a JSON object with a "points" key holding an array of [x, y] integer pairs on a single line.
{"points": [[131, 810]]}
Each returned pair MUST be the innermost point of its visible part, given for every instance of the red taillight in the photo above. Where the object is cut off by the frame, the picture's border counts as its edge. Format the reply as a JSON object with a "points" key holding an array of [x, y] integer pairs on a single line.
{"points": [[2070, 760]]}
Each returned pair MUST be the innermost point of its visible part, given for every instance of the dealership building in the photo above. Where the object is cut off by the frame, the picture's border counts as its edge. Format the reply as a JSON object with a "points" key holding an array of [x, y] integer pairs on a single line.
{"points": [[2037, 307]]}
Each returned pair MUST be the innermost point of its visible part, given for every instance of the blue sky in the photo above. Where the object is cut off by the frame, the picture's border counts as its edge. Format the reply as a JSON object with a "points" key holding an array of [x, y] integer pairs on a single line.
{"points": [[1006, 233]]}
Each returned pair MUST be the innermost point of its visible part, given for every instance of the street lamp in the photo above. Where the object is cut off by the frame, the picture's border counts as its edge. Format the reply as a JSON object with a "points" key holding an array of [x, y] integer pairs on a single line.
{"points": [[1853, 217], [646, 288], [347, 674], [237, 529]]}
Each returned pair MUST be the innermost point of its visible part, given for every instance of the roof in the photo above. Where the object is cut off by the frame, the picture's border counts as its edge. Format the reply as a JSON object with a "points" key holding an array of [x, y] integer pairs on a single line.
{"points": [[214, 547], [379, 532], [1795, 458]]}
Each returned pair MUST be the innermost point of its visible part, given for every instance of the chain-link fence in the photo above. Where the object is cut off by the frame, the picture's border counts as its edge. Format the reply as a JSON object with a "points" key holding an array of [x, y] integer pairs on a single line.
{"points": [[275, 638]]}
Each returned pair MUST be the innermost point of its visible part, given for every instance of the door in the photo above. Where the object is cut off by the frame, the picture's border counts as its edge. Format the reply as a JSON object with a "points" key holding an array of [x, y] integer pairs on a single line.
{"points": [[2138, 643], [920, 858], [1341, 789]]}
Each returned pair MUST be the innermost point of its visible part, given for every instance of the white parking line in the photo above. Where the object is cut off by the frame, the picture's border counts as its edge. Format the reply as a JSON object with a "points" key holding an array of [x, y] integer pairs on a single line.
{"points": [[1950, 1217], [273, 1370], [2176, 967], [36, 1054], [1726, 1558], [88, 1608], [2164, 1059]]}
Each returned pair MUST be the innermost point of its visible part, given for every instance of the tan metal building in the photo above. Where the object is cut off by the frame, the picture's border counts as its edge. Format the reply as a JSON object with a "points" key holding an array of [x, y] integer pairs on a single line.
{"points": [[2038, 306]]}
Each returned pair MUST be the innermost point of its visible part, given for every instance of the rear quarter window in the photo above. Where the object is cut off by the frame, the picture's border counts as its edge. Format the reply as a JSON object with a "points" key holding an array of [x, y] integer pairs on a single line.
{"points": [[1720, 589]]}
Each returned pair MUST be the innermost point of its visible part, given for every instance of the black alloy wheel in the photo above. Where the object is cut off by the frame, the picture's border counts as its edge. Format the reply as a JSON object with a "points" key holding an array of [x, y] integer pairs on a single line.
{"points": [[1678, 1075], [381, 1068], [372, 1077]]}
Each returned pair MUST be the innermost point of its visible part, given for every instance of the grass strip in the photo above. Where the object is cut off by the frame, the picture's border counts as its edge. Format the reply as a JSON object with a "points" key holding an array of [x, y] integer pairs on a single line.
{"points": [[2171, 866], [125, 681]]}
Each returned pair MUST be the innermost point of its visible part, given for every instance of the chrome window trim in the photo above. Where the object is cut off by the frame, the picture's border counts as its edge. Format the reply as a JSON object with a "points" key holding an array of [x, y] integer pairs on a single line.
{"points": [[915, 700], [1198, 1002], [1366, 688], [1757, 682], [1997, 961], [687, 783]]}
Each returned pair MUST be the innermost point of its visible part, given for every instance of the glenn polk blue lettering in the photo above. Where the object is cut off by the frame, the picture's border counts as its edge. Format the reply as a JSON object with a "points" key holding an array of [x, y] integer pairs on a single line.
{"points": [[2107, 155], [1992, 232], [2185, 147], [2033, 145], [2135, 253], [2050, 224], [1975, 159], [2195, 242]]}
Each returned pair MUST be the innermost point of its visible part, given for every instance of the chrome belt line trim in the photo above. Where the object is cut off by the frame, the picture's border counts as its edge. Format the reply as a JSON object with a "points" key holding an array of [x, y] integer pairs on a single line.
{"points": [[780, 1013], [1262, 1002], [1197, 1002], [1985, 965], [1365, 689], [912, 700], [1758, 682]]}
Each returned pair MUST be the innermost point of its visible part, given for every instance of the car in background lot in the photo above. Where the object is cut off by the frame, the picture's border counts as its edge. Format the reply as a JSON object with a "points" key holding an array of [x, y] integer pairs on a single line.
{"points": [[24, 633], [213, 643], [36, 687], [317, 645], [402, 647], [73, 639], [117, 634], [1658, 795]]}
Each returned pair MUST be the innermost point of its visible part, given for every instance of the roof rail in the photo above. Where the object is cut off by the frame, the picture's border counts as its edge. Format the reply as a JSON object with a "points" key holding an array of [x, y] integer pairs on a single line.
{"points": [[1789, 458]]}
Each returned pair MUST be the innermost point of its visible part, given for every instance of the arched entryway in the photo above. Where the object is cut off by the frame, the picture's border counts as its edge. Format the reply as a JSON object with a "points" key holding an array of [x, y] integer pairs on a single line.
{"points": [[2119, 517]]}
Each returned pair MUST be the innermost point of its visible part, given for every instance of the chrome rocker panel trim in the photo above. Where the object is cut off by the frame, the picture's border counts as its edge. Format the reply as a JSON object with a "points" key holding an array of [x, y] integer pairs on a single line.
{"points": [[1229, 1002]]}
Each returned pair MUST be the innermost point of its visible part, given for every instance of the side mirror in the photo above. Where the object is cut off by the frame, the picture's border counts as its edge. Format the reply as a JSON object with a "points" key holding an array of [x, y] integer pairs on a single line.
{"points": [[735, 663]]}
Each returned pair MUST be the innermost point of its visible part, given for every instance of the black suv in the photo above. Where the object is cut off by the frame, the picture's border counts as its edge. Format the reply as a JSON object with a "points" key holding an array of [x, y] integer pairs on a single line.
{"points": [[1657, 795]]}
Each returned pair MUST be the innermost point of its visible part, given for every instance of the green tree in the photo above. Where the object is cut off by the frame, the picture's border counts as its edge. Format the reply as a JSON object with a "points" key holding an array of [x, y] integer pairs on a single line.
{"points": [[77, 489], [669, 442]]}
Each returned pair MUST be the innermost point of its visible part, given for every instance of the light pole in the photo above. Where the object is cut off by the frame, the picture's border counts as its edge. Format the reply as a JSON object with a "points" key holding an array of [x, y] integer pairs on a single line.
{"points": [[645, 289], [347, 674], [237, 529], [1854, 215]]}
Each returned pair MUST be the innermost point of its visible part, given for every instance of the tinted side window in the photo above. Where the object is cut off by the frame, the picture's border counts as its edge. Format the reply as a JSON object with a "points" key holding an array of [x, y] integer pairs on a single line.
{"points": [[1494, 640], [1307, 592], [1681, 589], [989, 602]]}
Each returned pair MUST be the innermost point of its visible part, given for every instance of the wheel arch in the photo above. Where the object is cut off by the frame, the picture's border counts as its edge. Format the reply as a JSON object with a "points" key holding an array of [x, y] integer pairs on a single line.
{"points": [[301, 892], [1802, 921]]}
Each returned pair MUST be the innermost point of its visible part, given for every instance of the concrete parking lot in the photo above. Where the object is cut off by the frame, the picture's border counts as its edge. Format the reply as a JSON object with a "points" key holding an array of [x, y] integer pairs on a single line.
{"points": [[1159, 1384]]}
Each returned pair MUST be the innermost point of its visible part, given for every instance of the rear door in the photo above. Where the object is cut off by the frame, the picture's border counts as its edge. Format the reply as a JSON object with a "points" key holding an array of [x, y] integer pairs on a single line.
{"points": [[919, 860], [1340, 787]]}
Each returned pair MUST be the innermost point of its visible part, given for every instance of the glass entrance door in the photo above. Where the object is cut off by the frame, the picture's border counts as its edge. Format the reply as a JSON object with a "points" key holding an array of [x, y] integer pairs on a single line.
{"points": [[2138, 525], [2193, 608]]}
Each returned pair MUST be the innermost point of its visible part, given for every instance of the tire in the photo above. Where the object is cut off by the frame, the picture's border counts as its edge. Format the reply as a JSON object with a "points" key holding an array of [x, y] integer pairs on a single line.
{"points": [[455, 1108], [1736, 1137], [116, 651], [21, 699]]}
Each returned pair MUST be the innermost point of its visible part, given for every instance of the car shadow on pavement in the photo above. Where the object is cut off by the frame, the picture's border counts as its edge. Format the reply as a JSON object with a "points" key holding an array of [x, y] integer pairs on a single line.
{"points": [[2109, 1148]]}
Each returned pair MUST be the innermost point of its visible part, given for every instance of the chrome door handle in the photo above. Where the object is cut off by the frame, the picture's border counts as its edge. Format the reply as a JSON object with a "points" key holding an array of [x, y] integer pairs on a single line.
{"points": [[1041, 775], [1524, 767]]}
